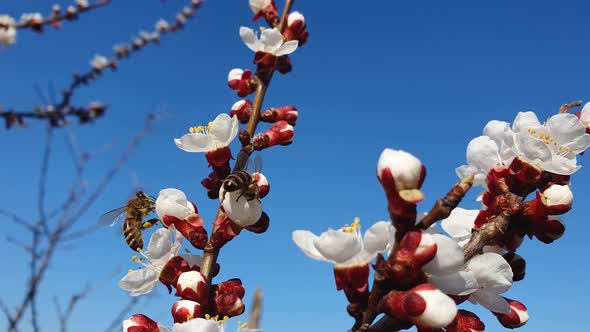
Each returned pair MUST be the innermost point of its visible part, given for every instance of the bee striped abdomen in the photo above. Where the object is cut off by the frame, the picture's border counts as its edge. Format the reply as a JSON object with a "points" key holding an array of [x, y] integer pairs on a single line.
{"points": [[132, 232]]}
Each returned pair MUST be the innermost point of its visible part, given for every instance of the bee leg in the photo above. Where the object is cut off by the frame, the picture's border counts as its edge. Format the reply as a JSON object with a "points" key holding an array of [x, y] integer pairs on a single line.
{"points": [[149, 223], [240, 196]]}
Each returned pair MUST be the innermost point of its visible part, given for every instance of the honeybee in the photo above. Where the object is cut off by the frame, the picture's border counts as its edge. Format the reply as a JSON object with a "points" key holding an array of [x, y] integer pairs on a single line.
{"points": [[244, 180], [135, 210]]}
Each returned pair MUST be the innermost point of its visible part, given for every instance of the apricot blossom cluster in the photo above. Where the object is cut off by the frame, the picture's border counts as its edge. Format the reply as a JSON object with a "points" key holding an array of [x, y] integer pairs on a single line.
{"points": [[428, 274], [204, 306]]}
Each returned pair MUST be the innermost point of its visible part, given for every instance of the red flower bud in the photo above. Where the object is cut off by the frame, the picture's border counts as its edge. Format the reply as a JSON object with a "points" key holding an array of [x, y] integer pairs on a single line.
{"points": [[296, 28], [212, 183], [518, 265], [517, 317], [224, 230], [261, 225], [263, 185], [286, 113], [424, 305], [227, 298], [192, 229], [192, 285], [172, 270], [466, 321], [140, 323], [266, 9], [240, 81], [185, 310], [242, 110], [549, 229]]}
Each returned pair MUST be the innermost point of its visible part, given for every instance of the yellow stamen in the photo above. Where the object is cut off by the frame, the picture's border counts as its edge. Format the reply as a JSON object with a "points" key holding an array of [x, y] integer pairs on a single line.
{"points": [[129, 271], [135, 259], [207, 316], [189, 317]]}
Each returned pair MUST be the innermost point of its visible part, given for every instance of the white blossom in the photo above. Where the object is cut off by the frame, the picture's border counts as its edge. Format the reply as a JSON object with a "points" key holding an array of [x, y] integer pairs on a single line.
{"points": [[346, 247], [406, 169], [218, 134], [554, 145], [459, 224], [195, 325], [271, 41], [164, 244], [585, 115]]}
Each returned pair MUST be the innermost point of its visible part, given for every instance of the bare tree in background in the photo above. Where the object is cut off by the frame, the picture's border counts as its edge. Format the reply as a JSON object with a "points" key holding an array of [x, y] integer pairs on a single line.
{"points": [[54, 228]]}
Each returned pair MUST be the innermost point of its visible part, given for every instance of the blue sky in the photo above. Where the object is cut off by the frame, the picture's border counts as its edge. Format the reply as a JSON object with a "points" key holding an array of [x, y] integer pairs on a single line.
{"points": [[423, 76]]}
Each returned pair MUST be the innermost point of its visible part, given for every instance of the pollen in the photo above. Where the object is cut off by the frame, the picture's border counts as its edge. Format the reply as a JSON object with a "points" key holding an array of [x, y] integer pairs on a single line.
{"points": [[356, 225], [135, 259], [130, 270], [242, 325]]}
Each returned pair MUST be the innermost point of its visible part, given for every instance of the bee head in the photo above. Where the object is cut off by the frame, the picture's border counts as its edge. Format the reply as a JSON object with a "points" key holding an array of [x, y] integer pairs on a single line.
{"points": [[141, 195]]}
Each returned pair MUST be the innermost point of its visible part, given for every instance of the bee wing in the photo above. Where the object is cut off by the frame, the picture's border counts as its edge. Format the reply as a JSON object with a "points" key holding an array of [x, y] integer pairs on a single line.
{"points": [[254, 165], [112, 217]]}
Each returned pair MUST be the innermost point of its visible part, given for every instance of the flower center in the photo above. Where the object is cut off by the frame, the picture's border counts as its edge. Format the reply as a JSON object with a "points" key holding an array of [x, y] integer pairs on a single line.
{"points": [[145, 261], [551, 142], [356, 226], [201, 129]]}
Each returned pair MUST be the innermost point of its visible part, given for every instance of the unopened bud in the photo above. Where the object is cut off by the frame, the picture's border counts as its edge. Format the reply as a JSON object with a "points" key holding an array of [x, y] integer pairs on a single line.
{"points": [[549, 229], [242, 109], [172, 205], [240, 81], [228, 298], [286, 113], [424, 305], [517, 317], [263, 185], [296, 28], [466, 321], [517, 264], [192, 285], [400, 171], [558, 199], [185, 310], [261, 225], [140, 323]]}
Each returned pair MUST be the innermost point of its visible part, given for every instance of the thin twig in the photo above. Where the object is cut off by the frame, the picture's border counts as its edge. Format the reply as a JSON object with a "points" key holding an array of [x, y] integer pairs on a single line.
{"points": [[56, 19], [115, 325]]}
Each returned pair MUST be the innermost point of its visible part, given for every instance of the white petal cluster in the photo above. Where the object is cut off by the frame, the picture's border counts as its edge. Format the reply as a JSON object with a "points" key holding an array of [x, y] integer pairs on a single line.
{"points": [[271, 41], [346, 246], [7, 30], [218, 134], [552, 146], [164, 244]]}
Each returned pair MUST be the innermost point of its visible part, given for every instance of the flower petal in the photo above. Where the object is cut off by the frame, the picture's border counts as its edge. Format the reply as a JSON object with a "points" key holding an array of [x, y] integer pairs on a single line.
{"points": [[492, 272], [304, 240], [173, 202], [272, 40], [159, 246], [567, 129], [378, 237], [338, 246], [224, 129], [491, 301], [448, 258], [249, 38], [140, 281], [460, 222], [458, 283], [483, 153], [531, 148], [561, 165], [195, 143], [524, 121], [287, 48]]}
